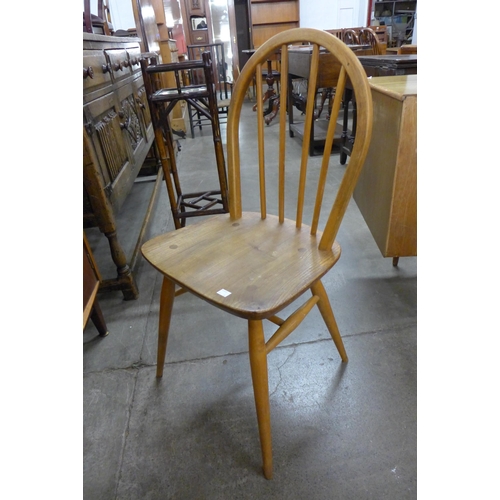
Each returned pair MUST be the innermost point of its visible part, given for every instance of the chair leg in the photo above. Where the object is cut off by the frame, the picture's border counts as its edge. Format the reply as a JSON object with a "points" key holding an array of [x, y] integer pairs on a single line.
{"points": [[166, 303], [326, 311], [258, 365]]}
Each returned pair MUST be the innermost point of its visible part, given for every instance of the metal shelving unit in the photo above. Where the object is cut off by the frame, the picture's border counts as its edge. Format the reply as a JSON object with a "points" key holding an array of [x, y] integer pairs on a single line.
{"points": [[399, 15]]}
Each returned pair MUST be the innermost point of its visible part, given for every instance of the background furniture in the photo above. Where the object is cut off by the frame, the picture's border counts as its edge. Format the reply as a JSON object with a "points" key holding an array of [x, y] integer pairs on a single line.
{"points": [[117, 136], [298, 68], [376, 65], [350, 37], [203, 99], [399, 18], [389, 64], [269, 17], [91, 279], [222, 84], [366, 36], [386, 193], [97, 23], [149, 16], [255, 264]]}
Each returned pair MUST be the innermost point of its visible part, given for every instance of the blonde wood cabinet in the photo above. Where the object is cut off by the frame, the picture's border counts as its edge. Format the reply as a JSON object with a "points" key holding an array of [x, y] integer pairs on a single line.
{"points": [[386, 192], [117, 136], [270, 17]]}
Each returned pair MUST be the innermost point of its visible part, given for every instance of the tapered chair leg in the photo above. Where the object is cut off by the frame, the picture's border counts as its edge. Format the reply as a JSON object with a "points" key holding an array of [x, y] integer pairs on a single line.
{"points": [[166, 303], [258, 365], [326, 311]]}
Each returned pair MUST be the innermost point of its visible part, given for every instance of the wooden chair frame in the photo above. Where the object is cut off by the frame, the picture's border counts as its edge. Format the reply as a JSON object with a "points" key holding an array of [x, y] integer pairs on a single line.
{"points": [[367, 36], [222, 85], [254, 264], [203, 98]]}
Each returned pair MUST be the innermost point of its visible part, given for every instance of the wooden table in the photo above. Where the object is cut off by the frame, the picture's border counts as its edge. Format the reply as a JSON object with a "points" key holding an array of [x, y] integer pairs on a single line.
{"points": [[375, 65], [386, 193], [389, 64], [271, 77], [299, 61]]}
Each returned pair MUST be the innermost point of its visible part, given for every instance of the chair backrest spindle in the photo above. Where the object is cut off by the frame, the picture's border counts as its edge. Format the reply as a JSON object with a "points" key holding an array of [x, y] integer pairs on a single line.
{"points": [[311, 98], [283, 119], [339, 90], [261, 141]]}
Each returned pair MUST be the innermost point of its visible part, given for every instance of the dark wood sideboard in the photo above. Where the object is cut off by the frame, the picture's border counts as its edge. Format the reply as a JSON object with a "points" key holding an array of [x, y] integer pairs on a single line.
{"points": [[117, 136]]}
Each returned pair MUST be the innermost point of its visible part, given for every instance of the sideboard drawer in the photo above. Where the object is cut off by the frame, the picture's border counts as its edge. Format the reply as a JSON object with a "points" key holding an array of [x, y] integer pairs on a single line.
{"points": [[96, 70], [119, 63], [134, 55]]}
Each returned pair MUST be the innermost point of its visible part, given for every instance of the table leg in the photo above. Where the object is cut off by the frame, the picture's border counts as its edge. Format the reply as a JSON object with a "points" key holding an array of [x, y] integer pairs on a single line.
{"points": [[270, 87]]}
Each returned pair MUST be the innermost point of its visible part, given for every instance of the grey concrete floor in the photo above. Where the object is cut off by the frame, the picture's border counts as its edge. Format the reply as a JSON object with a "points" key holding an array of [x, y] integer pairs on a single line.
{"points": [[340, 431]]}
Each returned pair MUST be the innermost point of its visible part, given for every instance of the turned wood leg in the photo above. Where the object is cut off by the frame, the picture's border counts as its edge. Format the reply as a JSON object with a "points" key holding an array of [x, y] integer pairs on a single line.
{"points": [[326, 311], [166, 303], [125, 278], [98, 319], [274, 105], [258, 365]]}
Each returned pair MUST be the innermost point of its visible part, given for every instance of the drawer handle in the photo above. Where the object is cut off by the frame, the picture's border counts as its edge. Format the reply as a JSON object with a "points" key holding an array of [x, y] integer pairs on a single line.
{"points": [[89, 72], [118, 66], [106, 68], [125, 64]]}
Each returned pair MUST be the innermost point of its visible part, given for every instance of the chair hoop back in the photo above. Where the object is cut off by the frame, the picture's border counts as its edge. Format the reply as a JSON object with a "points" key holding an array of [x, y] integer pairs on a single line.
{"points": [[348, 70]]}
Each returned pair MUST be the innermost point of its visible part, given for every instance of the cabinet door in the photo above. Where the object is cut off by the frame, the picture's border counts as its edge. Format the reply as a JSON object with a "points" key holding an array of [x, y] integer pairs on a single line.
{"points": [[141, 100], [104, 124]]}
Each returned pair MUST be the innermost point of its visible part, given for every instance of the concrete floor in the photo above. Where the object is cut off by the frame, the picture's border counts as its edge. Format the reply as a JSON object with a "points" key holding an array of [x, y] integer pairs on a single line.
{"points": [[340, 431]]}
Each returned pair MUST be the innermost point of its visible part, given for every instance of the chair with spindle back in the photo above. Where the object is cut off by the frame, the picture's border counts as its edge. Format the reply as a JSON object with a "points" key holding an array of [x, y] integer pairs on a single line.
{"points": [[254, 264], [350, 37], [367, 36]]}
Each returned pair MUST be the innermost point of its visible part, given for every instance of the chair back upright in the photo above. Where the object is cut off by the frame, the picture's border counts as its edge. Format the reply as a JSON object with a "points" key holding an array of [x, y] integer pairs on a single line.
{"points": [[348, 68], [367, 36], [350, 37]]}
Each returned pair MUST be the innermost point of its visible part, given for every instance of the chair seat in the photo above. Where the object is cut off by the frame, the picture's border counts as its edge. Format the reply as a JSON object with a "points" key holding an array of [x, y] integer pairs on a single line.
{"points": [[223, 103], [271, 277]]}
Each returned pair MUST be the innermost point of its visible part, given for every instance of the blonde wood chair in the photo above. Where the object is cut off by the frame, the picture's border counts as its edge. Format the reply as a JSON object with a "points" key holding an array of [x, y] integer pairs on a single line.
{"points": [[254, 264]]}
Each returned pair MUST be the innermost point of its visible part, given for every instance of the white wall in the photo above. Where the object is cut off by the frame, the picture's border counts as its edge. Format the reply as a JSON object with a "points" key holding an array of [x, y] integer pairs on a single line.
{"points": [[321, 14], [328, 14]]}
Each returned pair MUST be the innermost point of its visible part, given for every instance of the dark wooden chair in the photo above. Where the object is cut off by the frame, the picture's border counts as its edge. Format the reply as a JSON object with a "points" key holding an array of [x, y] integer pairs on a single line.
{"points": [[222, 84], [367, 36], [350, 37], [254, 264], [91, 281], [203, 99], [97, 23]]}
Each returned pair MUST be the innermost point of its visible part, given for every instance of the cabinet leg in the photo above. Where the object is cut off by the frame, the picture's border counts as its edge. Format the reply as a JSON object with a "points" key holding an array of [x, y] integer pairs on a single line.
{"points": [[128, 285]]}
